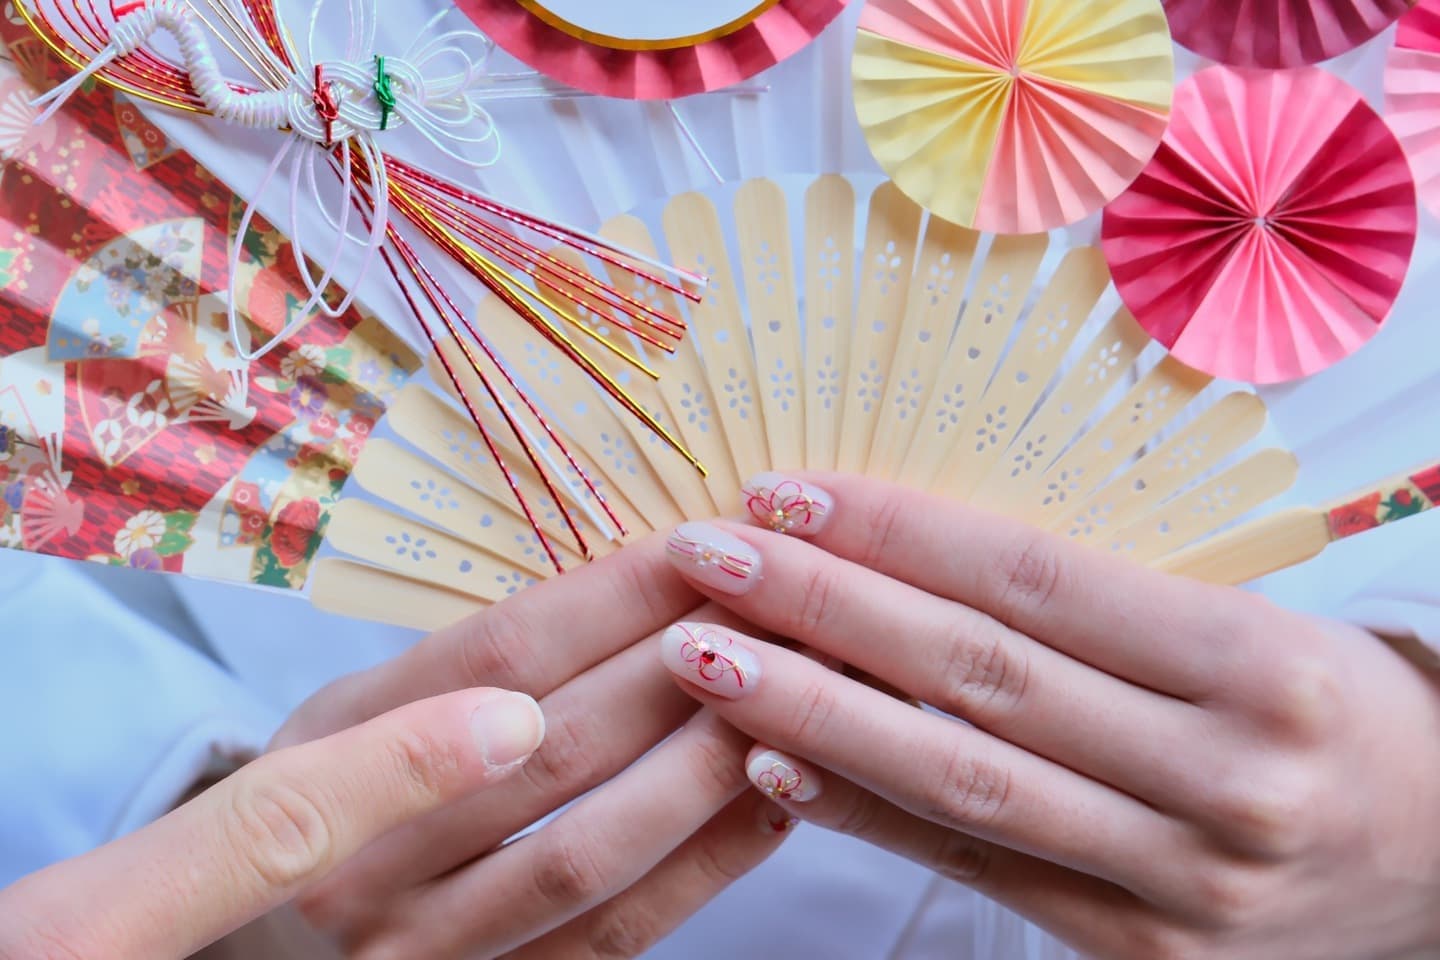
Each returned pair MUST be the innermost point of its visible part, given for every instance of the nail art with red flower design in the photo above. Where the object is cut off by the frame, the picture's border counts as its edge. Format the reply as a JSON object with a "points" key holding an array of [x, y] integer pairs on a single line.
{"points": [[710, 657], [713, 557], [787, 506], [782, 777]]}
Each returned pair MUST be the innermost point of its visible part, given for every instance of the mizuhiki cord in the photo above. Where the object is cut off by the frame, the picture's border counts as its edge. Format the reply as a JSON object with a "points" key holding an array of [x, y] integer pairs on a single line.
{"points": [[325, 106]]}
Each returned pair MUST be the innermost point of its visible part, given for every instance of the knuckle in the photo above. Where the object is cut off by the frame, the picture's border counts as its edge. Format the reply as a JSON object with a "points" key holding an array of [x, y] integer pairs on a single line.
{"points": [[1225, 896], [425, 767], [981, 672], [1272, 814], [717, 766], [565, 759], [495, 650], [620, 932], [883, 526], [963, 859], [817, 600], [1027, 574], [279, 831], [971, 793], [1156, 940], [810, 716], [568, 873], [1303, 701], [865, 819]]}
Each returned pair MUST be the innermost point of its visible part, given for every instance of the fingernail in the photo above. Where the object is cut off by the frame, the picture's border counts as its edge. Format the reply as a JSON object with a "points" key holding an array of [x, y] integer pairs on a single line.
{"points": [[714, 557], [787, 506], [711, 658], [774, 819], [507, 727], [782, 777]]}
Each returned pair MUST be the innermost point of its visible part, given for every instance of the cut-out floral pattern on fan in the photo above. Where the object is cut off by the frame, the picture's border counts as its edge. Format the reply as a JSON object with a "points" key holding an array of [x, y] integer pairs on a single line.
{"points": [[982, 368]]}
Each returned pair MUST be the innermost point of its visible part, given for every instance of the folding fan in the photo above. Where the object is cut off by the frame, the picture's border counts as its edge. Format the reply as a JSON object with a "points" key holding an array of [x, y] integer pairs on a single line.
{"points": [[130, 433], [988, 369]]}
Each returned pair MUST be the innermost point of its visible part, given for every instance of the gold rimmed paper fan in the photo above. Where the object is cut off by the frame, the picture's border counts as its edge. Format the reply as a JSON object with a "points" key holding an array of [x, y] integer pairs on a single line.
{"points": [[1013, 115], [990, 369]]}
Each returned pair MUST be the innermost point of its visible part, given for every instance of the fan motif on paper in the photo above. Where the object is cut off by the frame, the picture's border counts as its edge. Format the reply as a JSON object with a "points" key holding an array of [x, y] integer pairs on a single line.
{"points": [[1276, 34], [1412, 77], [651, 49], [995, 370], [1272, 233], [130, 433], [1013, 116]]}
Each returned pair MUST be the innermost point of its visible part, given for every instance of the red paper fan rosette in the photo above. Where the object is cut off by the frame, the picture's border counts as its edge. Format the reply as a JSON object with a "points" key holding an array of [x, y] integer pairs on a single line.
{"points": [[1270, 236], [781, 30], [1276, 34], [1412, 96]]}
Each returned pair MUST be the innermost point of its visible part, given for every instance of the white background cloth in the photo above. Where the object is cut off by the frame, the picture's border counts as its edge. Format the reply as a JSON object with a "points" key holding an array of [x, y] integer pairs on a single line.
{"points": [[114, 706]]}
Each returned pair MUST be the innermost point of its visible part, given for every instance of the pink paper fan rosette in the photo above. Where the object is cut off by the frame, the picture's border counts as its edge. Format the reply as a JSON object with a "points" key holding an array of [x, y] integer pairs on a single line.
{"points": [[1271, 234], [1277, 34], [662, 74], [1412, 96]]}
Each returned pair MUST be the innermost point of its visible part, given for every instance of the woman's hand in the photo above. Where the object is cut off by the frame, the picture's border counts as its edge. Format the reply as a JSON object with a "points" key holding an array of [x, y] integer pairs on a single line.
{"points": [[258, 838], [1150, 767], [617, 870], [391, 833]]}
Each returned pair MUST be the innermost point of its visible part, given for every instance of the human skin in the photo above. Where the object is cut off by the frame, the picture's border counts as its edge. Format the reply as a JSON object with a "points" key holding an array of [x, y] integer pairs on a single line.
{"points": [[1150, 767]]}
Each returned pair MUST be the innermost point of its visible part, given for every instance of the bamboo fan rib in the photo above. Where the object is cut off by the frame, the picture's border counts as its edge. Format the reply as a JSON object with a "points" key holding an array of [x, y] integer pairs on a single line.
{"points": [[869, 338]]}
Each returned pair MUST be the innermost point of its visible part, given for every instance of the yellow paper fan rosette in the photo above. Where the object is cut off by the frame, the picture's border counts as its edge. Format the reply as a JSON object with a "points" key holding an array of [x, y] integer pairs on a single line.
{"points": [[1013, 116]]}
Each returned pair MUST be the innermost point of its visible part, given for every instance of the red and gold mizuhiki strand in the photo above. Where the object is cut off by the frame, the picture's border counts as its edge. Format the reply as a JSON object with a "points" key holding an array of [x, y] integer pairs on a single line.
{"points": [[705, 649], [707, 555], [475, 231], [780, 782], [784, 507]]}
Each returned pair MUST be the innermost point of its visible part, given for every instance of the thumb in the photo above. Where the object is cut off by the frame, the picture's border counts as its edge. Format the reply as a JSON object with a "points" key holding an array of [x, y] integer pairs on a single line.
{"points": [[262, 835]]}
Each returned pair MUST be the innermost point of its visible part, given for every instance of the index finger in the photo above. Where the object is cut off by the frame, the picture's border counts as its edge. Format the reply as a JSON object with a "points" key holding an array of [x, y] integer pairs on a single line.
{"points": [[534, 641], [1157, 631], [259, 837]]}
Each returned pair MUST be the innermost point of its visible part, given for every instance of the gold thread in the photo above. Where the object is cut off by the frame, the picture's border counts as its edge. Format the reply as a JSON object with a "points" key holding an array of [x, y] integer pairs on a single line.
{"points": [[537, 9]]}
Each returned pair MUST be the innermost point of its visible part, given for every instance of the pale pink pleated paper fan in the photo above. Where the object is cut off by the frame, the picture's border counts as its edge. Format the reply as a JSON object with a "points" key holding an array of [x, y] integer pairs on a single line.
{"points": [[1412, 96], [785, 28], [1276, 34], [1270, 236]]}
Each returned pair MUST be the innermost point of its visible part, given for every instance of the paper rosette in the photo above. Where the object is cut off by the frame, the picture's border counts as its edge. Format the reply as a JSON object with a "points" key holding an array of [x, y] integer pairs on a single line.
{"points": [[1278, 33], [1271, 234], [1412, 96], [1013, 116], [130, 433], [734, 50]]}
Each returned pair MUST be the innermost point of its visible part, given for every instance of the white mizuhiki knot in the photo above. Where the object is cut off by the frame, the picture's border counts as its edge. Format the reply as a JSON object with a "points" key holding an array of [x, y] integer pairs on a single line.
{"points": [[333, 110]]}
